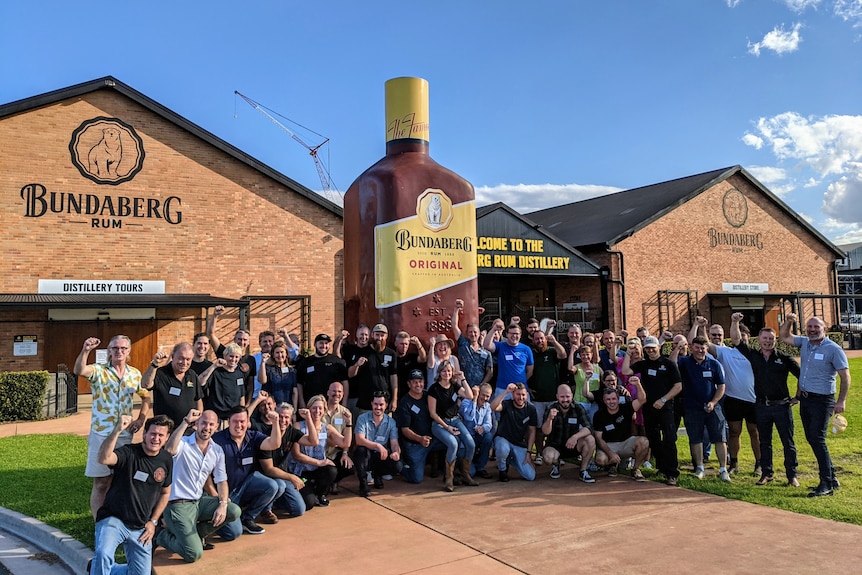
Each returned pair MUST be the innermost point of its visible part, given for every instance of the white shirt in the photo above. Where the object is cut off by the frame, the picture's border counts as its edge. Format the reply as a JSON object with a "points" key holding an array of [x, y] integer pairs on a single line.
{"points": [[192, 467]]}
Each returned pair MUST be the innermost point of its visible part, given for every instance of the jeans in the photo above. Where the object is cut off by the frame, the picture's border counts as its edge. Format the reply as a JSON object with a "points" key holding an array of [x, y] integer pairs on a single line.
{"points": [[815, 413], [255, 495], [782, 417], [451, 441], [414, 456], [110, 534], [509, 453], [289, 499], [660, 428], [364, 460], [483, 443]]}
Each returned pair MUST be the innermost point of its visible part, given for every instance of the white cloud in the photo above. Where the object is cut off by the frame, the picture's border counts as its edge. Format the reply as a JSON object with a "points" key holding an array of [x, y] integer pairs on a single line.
{"points": [[525, 198], [806, 217], [778, 40], [774, 178], [733, 3], [751, 140], [801, 5], [849, 11], [841, 200]]}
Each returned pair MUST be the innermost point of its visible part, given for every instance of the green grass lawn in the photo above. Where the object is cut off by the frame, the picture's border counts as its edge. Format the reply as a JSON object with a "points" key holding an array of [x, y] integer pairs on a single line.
{"points": [[43, 475]]}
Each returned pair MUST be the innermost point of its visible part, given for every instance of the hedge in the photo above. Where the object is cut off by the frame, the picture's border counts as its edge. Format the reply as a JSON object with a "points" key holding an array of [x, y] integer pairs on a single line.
{"points": [[22, 394]]}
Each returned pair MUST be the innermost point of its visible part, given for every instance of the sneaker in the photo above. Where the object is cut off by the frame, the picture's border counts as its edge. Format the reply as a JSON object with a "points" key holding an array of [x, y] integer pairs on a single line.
{"points": [[561, 462], [252, 528], [363, 491], [538, 460], [821, 490], [612, 470], [699, 474], [764, 479], [592, 467], [586, 477], [724, 476], [207, 546], [672, 481], [793, 482], [555, 472], [323, 501], [757, 469], [267, 517], [638, 476], [503, 476], [378, 483], [368, 477], [835, 484], [387, 477], [647, 465]]}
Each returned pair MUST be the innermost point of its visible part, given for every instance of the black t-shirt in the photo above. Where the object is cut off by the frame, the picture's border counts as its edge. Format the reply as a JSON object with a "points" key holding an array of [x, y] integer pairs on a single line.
{"points": [[413, 413], [770, 375], [351, 353], [250, 361], [407, 364], [515, 422], [447, 400], [566, 423], [136, 485], [657, 376], [374, 376], [546, 374], [316, 373], [200, 366], [225, 390], [173, 397], [279, 456], [617, 427]]}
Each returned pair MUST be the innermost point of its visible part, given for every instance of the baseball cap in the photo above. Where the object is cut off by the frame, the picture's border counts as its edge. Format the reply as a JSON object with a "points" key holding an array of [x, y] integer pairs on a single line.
{"points": [[651, 342], [380, 327], [322, 337], [417, 374]]}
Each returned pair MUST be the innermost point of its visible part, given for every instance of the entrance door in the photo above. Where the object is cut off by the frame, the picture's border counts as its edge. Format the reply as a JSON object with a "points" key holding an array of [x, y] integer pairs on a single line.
{"points": [[753, 319], [63, 341]]}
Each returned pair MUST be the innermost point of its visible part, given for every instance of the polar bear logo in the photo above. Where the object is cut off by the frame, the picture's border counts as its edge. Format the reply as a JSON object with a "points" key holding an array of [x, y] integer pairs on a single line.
{"points": [[105, 157], [434, 212]]}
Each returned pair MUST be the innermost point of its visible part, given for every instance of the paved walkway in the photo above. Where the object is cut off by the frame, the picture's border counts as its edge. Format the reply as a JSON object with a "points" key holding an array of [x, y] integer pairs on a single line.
{"points": [[545, 527]]}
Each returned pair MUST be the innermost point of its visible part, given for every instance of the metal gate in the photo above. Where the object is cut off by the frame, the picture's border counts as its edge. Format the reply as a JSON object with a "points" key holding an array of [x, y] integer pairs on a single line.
{"points": [[677, 310], [293, 313]]}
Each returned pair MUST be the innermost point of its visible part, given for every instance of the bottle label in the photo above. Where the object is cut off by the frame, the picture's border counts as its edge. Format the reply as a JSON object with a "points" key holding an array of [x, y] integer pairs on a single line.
{"points": [[421, 254]]}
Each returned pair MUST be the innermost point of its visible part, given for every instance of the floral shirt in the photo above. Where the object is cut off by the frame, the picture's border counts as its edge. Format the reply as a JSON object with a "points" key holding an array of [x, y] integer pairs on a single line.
{"points": [[112, 395]]}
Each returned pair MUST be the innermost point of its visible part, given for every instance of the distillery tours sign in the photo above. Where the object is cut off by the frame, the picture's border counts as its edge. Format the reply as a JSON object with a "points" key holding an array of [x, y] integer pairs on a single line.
{"points": [[106, 151], [734, 206]]}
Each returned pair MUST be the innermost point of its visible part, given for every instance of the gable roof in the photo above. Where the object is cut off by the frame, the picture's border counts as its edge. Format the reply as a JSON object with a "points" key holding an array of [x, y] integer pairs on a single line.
{"points": [[607, 220], [111, 83]]}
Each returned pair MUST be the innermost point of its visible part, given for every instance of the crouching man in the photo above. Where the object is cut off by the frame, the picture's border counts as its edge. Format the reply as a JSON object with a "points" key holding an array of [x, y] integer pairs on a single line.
{"points": [[613, 430]]}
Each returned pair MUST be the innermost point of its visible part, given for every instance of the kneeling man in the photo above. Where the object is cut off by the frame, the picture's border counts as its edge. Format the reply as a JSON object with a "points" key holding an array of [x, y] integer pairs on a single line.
{"points": [[613, 429]]}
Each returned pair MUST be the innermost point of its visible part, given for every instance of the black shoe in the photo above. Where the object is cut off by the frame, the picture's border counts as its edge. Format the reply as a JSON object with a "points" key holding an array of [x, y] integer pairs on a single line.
{"points": [[503, 476], [206, 546], [252, 528], [89, 565], [821, 490], [378, 483], [323, 501], [835, 484], [483, 474], [363, 490]]}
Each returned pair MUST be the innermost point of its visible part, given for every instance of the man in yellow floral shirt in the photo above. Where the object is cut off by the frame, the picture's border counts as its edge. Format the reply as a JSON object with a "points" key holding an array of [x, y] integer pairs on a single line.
{"points": [[114, 386]]}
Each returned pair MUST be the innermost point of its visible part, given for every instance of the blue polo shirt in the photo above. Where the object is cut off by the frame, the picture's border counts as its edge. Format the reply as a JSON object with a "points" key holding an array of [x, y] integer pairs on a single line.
{"points": [[512, 362], [820, 364], [239, 460], [699, 380]]}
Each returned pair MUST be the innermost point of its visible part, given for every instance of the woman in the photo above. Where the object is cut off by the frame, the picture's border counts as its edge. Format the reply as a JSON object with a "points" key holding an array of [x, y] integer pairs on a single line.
{"points": [[609, 381], [225, 384], [635, 353], [585, 372], [278, 378], [441, 347], [310, 462], [447, 426]]}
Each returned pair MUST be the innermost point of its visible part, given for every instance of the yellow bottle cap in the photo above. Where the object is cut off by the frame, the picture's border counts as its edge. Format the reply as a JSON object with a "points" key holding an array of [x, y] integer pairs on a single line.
{"points": [[407, 109]]}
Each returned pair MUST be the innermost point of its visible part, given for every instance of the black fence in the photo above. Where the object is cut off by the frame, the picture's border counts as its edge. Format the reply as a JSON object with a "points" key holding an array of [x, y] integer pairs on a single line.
{"points": [[62, 397]]}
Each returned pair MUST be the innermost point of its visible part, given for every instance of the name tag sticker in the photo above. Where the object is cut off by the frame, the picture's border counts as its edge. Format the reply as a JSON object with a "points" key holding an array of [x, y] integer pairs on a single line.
{"points": [[526, 419], [141, 475], [285, 369], [175, 391], [310, 369], [707, 374], [338, 420], [240, 381], [387, 358], [455, 396], [573, 421], [610, 427], [652, 372], [380, 438], [247, 460], [818, 356], [415, 408], [509, 357]]}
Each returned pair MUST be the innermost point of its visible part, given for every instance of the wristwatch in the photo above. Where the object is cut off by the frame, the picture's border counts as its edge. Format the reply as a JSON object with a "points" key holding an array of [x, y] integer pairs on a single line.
{"points": [[663, 400]]}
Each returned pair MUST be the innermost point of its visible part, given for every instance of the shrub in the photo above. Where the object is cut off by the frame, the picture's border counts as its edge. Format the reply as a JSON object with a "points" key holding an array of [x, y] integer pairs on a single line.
{"points": [[21, 395]]}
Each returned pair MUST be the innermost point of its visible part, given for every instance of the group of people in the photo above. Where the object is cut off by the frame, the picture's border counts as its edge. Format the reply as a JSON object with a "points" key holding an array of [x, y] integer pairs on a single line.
{"points": [[235, 442]]}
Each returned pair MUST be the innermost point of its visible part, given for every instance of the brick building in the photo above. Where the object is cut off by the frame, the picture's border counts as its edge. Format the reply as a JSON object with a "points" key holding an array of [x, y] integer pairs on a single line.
{"points": [[120, 216], [710, 244]]}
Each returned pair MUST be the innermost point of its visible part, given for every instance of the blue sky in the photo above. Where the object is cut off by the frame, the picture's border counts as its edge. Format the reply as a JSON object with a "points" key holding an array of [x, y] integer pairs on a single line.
{"points": [[537, 104]]}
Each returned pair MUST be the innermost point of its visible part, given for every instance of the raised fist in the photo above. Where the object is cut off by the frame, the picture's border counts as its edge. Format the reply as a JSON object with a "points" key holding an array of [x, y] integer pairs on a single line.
{"points": [[219, 309], [91, 343]]}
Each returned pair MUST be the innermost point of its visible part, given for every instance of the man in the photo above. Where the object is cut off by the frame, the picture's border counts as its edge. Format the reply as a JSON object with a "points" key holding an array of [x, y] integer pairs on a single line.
{"points": [[476, 362], [661, 382], [339, 417], [259, 418], [570, 433], [408, 360], [274, 463], [514, 359], [315, 373], [265, 339], [774, 401], [643, 333], [414, 422], [247, 364], [822, 359], [613, 430], [201, 344], [175, 387], [516, 431], [351, 353], [226, 384], [376, 371], [610, 351], [476, 414], [573, 342], [739, 397], [703, 382], [136, 499], [377, 448], [114, 386], [192, 514], [548, 354]]}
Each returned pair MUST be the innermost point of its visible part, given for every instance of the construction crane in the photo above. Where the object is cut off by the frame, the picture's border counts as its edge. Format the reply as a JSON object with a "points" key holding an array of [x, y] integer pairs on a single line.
{"points": [[325, 181]]}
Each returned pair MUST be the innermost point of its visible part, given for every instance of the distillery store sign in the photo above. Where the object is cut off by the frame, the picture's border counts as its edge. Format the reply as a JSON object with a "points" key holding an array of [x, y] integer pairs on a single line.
{"points": [[109, 152]]}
